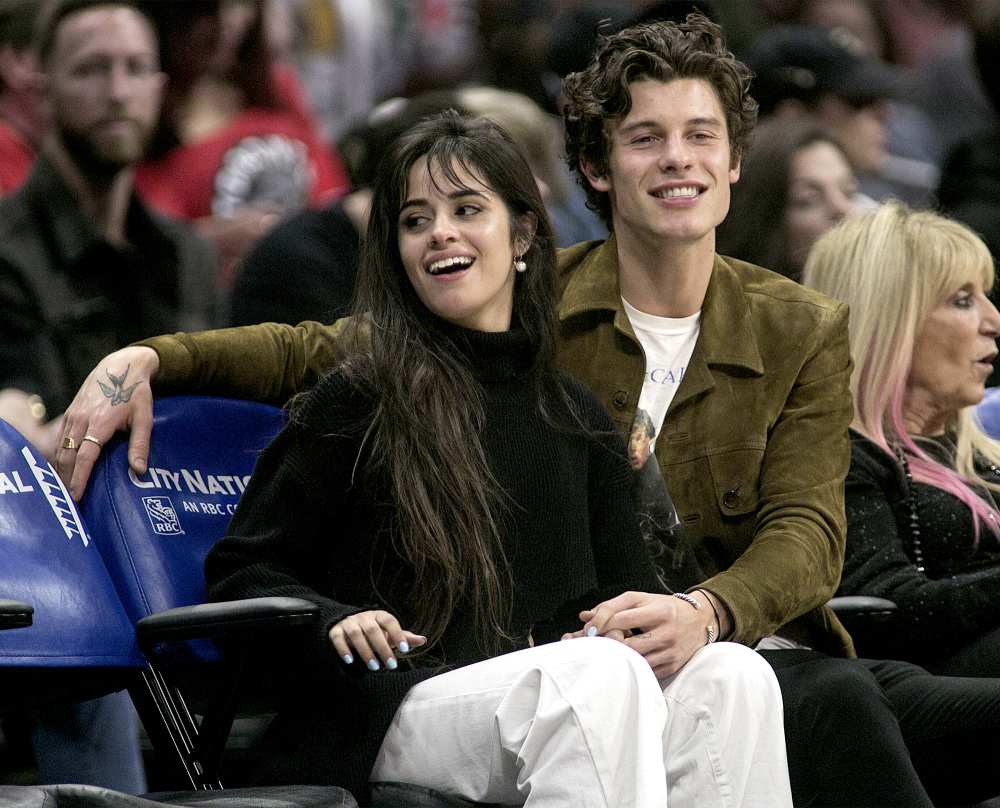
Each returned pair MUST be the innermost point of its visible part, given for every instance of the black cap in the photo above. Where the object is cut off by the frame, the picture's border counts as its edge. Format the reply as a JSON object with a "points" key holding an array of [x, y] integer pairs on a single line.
{"points": [[802, 63]]}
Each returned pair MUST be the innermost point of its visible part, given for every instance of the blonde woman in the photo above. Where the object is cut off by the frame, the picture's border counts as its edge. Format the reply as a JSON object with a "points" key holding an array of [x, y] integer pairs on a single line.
{"points": [[924, 486]]}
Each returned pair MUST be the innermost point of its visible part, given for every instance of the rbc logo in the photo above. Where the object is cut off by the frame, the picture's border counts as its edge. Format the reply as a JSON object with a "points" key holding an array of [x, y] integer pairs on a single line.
{"points": [[162, 516]]}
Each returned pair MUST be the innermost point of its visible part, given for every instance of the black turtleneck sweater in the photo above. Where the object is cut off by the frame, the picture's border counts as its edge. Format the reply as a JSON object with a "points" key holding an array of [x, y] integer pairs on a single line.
{"points": [[308, 527]]}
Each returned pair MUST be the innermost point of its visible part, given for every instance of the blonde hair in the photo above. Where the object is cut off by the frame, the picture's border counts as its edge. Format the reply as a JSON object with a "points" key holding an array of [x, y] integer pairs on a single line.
{"points": [[893, 266]]}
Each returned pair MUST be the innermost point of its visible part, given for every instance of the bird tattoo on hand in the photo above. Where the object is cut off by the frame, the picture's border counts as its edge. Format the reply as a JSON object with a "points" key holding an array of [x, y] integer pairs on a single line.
{"points": [[118, 393]]}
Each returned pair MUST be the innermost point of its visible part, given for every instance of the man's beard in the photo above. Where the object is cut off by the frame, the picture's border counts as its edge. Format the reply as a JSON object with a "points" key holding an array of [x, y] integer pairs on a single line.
{"points": [[102, 159]]}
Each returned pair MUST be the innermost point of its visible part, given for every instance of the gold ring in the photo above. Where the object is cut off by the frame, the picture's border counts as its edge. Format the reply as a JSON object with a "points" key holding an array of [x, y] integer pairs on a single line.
{"points": [[92, 439], [69, 443]]}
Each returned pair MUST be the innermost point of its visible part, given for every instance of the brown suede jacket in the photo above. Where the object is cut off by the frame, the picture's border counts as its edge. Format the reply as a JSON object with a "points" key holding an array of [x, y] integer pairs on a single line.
{"points": [[754, 447]]}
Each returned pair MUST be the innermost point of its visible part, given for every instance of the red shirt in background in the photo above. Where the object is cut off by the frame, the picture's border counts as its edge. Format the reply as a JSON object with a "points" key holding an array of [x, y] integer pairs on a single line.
{"points": [[17, 156], [266, 158]]}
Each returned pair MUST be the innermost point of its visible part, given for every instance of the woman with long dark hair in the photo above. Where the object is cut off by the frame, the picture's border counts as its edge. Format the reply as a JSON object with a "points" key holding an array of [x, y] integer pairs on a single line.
{"points": [[453, 502], [796, 184]]}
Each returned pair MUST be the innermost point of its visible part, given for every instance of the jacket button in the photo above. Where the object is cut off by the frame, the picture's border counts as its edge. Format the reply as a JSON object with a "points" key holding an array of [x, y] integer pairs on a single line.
{"points": [[732, 497], [620, 399]]}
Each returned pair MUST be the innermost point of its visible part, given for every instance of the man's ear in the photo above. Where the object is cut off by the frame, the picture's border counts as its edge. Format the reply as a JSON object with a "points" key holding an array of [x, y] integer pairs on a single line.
{"points": [[735, 170], [599, 182]]}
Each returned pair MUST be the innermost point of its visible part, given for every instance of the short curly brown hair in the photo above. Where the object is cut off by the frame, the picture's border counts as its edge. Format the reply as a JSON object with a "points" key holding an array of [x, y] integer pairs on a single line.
{"points": [[694, 49]]}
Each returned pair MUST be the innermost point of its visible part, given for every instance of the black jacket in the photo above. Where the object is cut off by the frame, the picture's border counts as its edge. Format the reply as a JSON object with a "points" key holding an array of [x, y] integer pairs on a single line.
{"points": [[957, 597], [69, 297]]}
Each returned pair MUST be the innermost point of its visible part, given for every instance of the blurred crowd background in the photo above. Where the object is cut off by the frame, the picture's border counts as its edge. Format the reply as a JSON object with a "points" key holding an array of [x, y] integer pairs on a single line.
{"points": [[278, 110]]}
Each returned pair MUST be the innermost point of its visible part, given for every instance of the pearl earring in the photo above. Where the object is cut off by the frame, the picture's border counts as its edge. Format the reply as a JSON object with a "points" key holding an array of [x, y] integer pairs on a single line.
{"points": [[520, 265]]}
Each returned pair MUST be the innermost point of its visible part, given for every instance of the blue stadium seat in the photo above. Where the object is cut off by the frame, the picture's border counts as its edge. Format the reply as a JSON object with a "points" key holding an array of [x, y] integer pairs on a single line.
{"points": [[67, 637], [988, 412], [154, 532], [82, 643]]}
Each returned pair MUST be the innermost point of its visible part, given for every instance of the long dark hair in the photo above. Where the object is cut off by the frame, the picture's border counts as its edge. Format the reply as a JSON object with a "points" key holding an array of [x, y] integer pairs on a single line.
{"points": [[754, 229], [424, 439]]}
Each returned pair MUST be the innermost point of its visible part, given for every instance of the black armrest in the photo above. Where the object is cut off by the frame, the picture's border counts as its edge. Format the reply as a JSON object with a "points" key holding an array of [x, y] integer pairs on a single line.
{"points": [[14, 614], [870, 622], [225, 619], [850, 606], [234, 619]]}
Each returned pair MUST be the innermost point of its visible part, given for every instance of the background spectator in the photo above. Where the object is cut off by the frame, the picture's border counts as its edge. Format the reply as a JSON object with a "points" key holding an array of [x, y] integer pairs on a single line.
{"points": [[236, 149], [805, 72], [923, 527], [85, 266], [349, 55], [353, 54], [932, 41], [796, 184], [21, 116], [970, 179]]}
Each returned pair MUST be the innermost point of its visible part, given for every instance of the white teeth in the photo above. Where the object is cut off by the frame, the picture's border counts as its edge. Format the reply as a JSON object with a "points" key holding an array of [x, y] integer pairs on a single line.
{"points": [[671, 193], [447, 263]]}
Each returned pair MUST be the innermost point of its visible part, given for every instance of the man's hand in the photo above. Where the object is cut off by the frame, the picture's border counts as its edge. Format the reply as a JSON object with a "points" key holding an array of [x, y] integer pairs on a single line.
{"points": [[115, 396], [669, 629]]}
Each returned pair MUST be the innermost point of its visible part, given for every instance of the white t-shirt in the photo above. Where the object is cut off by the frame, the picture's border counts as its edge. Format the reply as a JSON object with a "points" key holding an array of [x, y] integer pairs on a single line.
{"points": [[668, 343]]}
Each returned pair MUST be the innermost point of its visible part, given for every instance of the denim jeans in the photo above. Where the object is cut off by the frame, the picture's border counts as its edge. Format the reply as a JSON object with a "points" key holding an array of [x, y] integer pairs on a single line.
{"points": [[90, 743]]}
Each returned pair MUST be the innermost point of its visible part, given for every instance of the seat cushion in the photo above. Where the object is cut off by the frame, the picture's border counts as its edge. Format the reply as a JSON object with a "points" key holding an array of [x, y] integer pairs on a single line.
{"points": [[75, 796], [405, 795]]}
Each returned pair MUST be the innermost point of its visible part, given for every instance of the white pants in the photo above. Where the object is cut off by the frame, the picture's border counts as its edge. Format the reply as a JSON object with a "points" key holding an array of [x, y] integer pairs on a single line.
{"points": [[584, 723]]}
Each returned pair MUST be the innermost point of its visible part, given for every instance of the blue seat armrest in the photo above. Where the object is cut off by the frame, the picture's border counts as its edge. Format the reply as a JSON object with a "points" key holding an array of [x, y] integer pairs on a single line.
{"points": [[862, 606], [225, 619], [14, 614]]}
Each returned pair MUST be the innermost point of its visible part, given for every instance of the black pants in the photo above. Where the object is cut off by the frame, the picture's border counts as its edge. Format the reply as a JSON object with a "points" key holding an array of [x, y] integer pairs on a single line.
{"points": [[981, 657], [879, 733]]}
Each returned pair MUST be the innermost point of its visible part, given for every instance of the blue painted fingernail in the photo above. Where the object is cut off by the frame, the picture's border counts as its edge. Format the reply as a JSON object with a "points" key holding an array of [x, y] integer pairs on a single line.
{"points": [[348, 659], [391, 663], [373, 665], [404, 647], [592, 631]]}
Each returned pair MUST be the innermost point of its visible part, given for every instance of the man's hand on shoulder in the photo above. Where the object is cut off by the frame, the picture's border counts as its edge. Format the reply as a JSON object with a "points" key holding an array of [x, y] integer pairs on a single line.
{"points": [[116, 395]]}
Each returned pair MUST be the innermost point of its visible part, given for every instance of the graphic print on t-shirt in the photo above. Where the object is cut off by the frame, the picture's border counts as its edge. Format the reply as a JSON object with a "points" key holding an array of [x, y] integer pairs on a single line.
{"points": [[668, 343], [658, 522], [271, 172]]}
